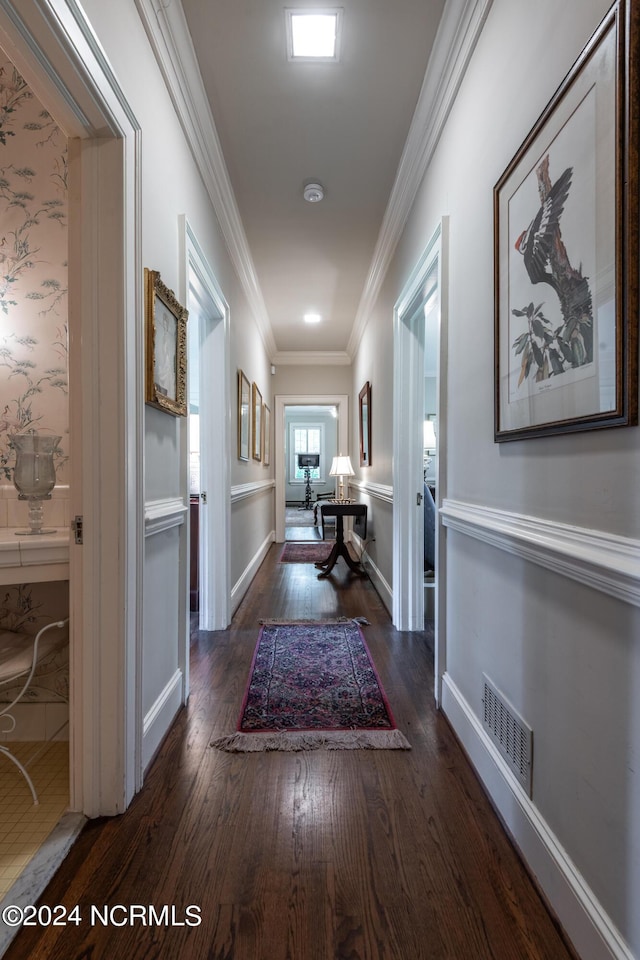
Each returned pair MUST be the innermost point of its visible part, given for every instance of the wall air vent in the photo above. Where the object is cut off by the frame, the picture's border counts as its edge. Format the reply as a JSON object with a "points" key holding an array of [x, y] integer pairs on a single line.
{"points": [[512, 736]]}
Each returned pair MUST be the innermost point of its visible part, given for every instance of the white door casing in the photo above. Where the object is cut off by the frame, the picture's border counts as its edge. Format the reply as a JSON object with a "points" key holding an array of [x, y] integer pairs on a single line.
{"points": [[408, 414], [200, 282], [55, 49]]}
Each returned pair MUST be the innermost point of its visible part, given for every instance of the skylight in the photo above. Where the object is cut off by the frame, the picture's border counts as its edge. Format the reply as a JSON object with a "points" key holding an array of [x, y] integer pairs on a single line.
{"points": [[313, 34]]}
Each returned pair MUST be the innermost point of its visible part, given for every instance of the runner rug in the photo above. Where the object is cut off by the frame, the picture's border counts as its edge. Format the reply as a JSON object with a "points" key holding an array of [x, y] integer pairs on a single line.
{"points": [[305, 552], [313, 685]]}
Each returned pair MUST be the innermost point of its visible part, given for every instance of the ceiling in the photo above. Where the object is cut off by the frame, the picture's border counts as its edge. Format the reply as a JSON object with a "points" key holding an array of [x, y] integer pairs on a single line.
{"points": [[283, 124]]}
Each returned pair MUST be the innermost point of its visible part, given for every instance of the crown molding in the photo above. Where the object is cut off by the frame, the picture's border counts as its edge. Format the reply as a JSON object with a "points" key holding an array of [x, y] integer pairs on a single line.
{"points": [[460, 27], [173, 48], [301, 358]]}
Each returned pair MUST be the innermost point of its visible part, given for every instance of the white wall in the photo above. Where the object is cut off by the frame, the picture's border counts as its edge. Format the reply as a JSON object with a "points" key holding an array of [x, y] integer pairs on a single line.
{"points": [[565, 655], [171, 187]]}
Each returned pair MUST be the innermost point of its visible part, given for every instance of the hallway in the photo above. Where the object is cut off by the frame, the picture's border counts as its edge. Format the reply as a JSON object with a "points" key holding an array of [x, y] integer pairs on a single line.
{"points": [[325, 855]]}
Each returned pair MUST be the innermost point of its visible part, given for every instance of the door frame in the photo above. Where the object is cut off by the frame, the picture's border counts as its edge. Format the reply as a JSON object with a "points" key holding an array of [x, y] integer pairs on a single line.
{"points": [[281, 401], [54, 47], [408, 415], [215, 417]]}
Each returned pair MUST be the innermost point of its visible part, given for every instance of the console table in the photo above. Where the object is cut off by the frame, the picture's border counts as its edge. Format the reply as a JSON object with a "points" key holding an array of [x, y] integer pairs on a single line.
{"points": [[340, 511]]}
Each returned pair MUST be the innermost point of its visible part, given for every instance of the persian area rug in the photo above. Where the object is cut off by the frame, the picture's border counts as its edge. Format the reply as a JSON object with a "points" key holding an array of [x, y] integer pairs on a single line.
{"points": [[313, 686], [305, 552]]}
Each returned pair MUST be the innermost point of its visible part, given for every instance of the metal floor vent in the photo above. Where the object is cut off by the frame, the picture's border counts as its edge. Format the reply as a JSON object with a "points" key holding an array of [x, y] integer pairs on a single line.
{"points": [[512, 736]]}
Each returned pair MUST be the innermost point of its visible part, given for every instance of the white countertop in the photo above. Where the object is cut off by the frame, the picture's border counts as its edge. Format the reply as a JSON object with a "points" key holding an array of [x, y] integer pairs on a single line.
{"points": [[33, 558]]}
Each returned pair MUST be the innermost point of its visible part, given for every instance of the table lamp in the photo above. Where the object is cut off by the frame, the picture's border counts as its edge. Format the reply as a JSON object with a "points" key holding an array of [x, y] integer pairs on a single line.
{"points": [[341, 468]]}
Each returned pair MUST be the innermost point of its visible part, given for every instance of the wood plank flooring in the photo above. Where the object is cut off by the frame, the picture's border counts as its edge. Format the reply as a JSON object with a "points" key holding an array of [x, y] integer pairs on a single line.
{"points": [[345, 855]]}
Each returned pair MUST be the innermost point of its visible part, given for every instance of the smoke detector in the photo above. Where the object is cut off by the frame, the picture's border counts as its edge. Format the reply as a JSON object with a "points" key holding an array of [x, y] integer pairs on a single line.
{"points": [[313, 193]]}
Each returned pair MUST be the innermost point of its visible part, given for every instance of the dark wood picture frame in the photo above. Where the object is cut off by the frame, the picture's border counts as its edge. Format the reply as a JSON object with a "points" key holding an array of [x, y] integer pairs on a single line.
{"points": [[364, 424], [166, 347], [566, 251]]}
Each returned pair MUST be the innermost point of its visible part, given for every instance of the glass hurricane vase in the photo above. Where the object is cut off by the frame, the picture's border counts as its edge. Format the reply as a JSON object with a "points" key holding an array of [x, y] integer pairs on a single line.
{"points": [[34, 476]]}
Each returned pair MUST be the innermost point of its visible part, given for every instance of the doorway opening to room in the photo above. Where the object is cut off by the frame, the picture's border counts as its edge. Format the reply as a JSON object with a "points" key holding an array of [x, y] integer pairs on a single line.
{"points": [[419, 470], [208, 472], [307, 422], [310, 444]]}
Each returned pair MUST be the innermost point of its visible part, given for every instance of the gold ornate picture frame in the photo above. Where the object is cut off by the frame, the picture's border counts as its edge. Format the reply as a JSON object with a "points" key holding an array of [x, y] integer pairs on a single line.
{"points": [[166, 347], [256, 421], [244, 415]]}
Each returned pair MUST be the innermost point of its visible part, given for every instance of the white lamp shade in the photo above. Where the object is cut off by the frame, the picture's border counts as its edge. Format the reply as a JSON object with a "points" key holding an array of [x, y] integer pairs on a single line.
{"points": [[429, 435], [341, 467]]}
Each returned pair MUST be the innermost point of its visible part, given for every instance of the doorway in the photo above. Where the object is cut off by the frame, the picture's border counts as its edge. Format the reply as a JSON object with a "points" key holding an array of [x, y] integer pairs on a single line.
{"points": [[207, 472], [419, 469], [310, 434], [339, 402]]}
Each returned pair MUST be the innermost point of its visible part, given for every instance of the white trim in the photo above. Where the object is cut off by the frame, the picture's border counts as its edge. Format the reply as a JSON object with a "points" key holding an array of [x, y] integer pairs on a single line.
{"points": [[281, 401], [301, 358], [171, 42], [215, 419], [381, 491], [159, 718], [242, 491], [604, 561], [244, 582], [460, 27], [588, 926], [382, 586], [160, 515]]}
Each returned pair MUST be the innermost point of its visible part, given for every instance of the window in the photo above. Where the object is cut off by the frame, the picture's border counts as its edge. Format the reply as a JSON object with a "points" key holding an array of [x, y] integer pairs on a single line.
{"points": [[305, 438]]}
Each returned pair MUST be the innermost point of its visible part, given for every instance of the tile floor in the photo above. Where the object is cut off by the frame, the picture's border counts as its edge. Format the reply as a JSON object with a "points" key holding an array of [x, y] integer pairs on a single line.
{"points": [[23, 825]]}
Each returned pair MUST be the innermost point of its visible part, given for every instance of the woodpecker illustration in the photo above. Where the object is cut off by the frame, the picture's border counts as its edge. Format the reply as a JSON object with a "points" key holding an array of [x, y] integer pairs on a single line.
{"points": [[546, 261]]}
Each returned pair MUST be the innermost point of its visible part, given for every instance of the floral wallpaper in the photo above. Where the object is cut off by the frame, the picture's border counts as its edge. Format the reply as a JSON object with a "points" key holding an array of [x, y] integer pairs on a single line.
{"points": [[33, 270], [26, 608]]}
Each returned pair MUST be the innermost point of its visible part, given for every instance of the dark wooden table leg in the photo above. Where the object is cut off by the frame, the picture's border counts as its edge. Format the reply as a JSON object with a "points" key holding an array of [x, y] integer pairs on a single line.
{"points": [[340, 549]]}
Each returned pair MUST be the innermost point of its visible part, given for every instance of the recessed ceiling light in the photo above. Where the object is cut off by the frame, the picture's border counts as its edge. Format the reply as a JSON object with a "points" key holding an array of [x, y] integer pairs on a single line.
{"points": [[313, 34], [312, 318]]}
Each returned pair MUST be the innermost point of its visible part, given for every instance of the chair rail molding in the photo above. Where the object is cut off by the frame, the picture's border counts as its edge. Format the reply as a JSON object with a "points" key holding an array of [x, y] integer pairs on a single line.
{"points": [[163, 514], [242, 491], [381, 491], [604, 561]]}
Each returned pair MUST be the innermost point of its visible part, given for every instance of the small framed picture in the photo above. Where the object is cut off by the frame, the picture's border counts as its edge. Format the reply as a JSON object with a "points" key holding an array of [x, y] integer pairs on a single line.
{"points": [[266, 435], [166, 347], [256, 421], [364, 423], [244, 413]]}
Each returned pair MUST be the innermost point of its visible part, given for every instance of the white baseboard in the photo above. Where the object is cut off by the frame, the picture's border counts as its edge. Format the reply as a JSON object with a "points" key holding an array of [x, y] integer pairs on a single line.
{"points": [[160, 717], [242, 585], [585, 921], [379, 582]]}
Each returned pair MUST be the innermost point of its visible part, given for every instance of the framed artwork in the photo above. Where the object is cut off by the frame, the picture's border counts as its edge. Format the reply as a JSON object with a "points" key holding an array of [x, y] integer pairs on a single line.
{"points": [[244, 401], [256, 421], [266, 435], [364, 420], [566, 251], [166, 347]]}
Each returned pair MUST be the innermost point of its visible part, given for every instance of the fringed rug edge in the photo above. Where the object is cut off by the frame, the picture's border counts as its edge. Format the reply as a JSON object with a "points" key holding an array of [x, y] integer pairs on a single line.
{"points": [[290, 741]]}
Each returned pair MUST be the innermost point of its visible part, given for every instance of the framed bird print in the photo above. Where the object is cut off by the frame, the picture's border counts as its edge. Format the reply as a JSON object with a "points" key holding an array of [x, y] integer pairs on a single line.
{"points": [[566, 251]]}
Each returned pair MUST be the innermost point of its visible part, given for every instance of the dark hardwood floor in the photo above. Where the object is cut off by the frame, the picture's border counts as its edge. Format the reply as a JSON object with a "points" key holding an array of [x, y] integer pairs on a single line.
{"points": [[344, 855]]}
